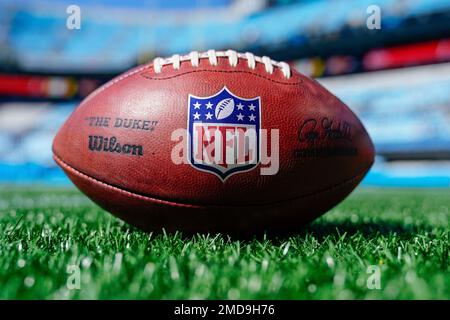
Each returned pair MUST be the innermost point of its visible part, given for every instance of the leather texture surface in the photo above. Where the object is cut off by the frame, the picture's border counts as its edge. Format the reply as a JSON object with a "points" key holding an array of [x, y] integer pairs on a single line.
{"points": [[150, 191]]}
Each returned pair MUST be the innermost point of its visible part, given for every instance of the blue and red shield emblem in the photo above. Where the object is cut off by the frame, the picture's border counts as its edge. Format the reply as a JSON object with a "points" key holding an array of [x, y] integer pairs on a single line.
{"points": [[224, 133]]}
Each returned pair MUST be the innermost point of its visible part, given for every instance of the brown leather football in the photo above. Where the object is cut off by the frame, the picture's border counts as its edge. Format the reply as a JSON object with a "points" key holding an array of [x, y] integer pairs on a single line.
{"points": [[214, 141]]}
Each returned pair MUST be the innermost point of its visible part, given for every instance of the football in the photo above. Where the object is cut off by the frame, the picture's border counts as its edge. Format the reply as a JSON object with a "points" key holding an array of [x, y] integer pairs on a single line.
{"points": [[214, 141]]}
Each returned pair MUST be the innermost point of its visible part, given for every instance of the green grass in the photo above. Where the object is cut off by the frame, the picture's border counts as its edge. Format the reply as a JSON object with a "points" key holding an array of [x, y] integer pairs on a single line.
{"points": [[403, 232]]}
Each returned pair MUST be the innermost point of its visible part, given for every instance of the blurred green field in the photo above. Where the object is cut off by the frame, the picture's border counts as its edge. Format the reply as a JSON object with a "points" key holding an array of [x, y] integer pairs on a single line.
{"points": [[49, 236]]}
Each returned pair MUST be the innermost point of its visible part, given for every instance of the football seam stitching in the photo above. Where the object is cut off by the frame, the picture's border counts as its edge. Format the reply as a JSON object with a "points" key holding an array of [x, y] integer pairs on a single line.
{"points": [[148, 66], [300, 81], [186, 205], [212, 55]]}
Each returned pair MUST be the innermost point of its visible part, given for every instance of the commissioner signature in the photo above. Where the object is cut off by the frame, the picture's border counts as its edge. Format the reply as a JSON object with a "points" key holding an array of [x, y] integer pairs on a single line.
{"points": [[325, 128]]}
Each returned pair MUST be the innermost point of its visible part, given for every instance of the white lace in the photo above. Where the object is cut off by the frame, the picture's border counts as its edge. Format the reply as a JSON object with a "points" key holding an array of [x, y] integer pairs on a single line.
{"points": [[233, 58]]}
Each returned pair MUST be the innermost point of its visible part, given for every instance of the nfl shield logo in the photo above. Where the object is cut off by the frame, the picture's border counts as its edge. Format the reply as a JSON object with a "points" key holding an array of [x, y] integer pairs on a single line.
{"points": [[224, 133]]}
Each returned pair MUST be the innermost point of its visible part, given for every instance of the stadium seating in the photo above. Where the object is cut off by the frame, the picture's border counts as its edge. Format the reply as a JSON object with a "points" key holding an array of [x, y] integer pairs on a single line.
{"points": [[32, 34]]}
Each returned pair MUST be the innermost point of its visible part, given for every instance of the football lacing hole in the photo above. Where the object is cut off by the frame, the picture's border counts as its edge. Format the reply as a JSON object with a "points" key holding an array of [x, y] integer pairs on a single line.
{"points": [[233, 59]]}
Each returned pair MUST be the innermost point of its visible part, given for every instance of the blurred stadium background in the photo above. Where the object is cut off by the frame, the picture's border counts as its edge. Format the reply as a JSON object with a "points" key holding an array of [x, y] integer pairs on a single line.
{"points": [[397, 79]]}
